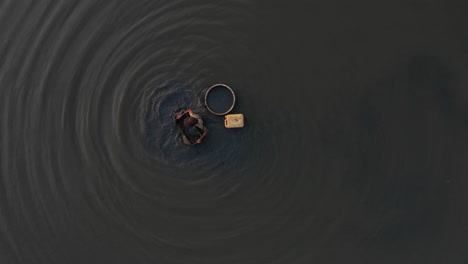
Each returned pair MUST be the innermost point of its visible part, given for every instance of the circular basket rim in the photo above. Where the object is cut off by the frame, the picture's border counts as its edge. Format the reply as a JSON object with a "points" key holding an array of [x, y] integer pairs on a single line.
{"points": [[233, 98]]}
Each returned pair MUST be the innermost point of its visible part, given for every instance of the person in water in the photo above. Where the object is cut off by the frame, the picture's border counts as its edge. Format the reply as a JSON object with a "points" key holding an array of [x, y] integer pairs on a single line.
{"points": [[191, 125]]}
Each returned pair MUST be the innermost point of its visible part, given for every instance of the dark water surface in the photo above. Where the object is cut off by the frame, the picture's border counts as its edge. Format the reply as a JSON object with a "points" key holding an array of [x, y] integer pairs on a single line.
{"points": [[355, 147]]}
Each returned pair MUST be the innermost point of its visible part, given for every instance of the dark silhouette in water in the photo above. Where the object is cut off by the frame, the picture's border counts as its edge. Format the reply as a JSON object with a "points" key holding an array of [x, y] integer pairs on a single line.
{"points": [[191, 127]]}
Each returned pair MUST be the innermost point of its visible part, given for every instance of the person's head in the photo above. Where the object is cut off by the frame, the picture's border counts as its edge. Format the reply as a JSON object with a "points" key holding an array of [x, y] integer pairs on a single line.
{"points": [[190, 121]]}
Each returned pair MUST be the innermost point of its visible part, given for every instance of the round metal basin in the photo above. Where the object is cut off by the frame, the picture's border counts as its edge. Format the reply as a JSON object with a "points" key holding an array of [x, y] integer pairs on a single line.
{"points": [[220, 99]]}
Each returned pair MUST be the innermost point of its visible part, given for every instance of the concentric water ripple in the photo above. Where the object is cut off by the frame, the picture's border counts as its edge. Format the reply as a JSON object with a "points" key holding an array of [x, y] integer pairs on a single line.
{"points": [[352, 147]]}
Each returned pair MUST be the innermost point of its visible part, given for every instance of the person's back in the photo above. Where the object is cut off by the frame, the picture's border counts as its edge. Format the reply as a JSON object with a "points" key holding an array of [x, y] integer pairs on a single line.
{"points": [[190, 129]]}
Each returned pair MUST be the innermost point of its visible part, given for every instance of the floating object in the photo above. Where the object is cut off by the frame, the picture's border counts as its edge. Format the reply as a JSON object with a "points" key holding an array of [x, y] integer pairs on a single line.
{"points": [[234, 121], [220, 99]]}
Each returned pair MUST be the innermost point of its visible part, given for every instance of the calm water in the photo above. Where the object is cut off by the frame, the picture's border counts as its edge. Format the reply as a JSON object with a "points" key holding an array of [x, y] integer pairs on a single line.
{"points": [[355, 147]]}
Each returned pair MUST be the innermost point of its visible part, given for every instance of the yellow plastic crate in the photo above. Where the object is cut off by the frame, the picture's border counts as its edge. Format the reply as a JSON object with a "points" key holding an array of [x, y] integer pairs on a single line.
{"points": [[234, 121]]}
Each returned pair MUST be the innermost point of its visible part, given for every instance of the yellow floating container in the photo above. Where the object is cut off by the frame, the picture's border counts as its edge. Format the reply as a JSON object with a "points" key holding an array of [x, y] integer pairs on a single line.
{"points": [[234, 121]]}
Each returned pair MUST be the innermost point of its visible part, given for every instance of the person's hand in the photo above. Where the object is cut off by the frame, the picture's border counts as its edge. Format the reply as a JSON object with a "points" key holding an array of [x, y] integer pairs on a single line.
{"points": [[179, 116], [198, 141]]}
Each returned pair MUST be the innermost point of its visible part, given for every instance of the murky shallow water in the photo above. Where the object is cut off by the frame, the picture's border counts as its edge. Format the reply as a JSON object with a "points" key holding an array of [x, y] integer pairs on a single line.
{"points": [[354, 148]]}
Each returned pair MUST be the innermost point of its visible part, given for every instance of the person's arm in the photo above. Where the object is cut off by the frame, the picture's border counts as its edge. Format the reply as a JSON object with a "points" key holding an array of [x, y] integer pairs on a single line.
{"points": [[190, 112], [205, 132]]}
